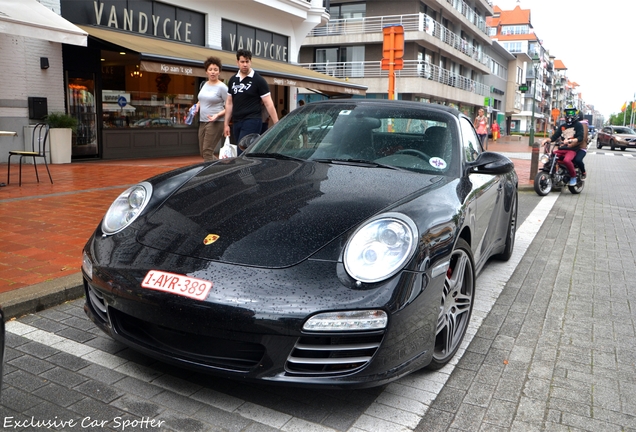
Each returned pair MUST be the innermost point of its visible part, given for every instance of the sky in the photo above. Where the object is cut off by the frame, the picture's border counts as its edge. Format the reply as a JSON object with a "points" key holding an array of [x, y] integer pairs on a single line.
{"points": [[595, 41]]}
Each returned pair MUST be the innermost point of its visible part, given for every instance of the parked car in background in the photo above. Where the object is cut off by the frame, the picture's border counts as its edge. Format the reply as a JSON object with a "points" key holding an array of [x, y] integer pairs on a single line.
{"points": [[340, 249], [591, 133], [616, 136]]}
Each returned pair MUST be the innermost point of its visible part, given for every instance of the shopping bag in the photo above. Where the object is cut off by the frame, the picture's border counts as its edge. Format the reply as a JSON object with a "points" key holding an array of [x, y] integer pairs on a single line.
{"points": [[228, 150], [190, 117]]}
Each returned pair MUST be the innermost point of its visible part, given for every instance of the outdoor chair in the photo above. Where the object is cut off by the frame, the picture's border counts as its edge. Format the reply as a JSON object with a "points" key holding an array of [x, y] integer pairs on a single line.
{"points": [[39, 141]]}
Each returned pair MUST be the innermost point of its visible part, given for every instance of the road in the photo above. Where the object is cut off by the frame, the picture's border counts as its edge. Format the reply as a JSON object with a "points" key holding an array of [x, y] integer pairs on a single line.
{"points": [[61, 371]]}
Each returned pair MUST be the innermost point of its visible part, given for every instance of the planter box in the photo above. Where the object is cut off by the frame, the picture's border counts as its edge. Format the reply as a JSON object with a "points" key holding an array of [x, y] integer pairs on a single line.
{"points": [[61, 140]]}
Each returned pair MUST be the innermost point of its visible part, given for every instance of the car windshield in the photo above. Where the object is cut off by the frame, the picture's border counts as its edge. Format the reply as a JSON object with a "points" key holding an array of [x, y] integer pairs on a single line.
{"points": [[370, 135], [624, 130]]}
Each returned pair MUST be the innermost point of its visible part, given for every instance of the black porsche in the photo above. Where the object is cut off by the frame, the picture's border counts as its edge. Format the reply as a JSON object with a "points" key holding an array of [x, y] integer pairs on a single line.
{"points": [[340, 249]]}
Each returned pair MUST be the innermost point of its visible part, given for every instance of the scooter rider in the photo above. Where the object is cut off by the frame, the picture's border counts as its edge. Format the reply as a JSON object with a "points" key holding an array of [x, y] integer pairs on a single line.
{"points": [[572, 133]]}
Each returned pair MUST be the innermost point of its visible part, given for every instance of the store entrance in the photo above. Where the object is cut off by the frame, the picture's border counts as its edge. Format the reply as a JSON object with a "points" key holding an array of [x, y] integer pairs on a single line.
{"points": [[81, 105]]}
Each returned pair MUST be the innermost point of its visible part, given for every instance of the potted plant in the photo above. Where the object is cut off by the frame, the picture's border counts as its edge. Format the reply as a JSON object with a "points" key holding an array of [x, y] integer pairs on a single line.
{"points": [[61, 128]]}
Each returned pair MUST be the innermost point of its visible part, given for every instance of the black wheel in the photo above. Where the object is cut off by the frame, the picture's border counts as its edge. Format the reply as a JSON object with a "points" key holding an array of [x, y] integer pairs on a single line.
{"points": [[510, 235], [598, 144], [612, 146], [542, 183], [623, 148], [580, 184], [456, 305]]}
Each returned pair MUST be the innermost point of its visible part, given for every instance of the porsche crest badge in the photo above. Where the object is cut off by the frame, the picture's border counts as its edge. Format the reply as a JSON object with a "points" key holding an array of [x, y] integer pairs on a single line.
{"points": [[210, 238]]}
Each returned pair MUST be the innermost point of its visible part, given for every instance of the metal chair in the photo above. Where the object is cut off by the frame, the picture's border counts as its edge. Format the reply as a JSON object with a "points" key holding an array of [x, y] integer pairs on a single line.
{"points": [[39, 142]]}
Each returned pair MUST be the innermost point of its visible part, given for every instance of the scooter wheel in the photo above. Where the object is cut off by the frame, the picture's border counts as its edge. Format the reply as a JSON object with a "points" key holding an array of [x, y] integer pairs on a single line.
{"points": [[542, 183]]}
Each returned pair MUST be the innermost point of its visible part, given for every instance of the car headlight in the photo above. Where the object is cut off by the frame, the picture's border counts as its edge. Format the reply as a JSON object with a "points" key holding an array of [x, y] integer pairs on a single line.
{"points": [[126, 208], [379, 249]]}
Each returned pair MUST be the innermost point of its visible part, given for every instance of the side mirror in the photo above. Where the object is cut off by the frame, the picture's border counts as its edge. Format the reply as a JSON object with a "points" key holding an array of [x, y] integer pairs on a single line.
{"points": [[248, 140], [491, 163]]}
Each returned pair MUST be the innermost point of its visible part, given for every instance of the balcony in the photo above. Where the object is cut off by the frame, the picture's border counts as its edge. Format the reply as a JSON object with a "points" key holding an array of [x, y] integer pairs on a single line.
{"points": [[412, 23], [412, 69], [469, 14]]}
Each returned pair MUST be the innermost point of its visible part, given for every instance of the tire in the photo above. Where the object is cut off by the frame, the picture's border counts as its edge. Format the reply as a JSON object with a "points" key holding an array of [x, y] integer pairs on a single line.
{"points": [[623, 148], [580, 184], [456, 305], [510, 234], [542, 183], [598, 144], [612, 146]]}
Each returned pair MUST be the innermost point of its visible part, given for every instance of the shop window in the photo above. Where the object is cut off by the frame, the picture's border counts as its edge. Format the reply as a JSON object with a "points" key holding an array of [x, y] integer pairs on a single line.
{"points": [[132, 98]]}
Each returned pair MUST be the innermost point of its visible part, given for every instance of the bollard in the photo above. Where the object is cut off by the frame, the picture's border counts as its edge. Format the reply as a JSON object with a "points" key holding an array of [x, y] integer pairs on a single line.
{"points": [[534, 160]]}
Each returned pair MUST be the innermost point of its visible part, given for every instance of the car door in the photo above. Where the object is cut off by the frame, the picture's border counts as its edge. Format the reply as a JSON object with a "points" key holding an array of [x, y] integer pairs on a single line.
{"points": [[486, 191]]}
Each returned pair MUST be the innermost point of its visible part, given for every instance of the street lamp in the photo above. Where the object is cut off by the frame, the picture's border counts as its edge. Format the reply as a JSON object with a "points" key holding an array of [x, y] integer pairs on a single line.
{"points": [[535, 66], [534, 161]]}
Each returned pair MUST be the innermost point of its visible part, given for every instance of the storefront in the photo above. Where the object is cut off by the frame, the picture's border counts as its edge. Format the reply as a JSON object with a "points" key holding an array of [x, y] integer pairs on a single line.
{"points": [[132, 85]]}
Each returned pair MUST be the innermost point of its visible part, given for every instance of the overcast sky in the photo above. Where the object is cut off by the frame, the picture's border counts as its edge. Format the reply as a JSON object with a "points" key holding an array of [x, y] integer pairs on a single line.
{"points": [[599, 54]]}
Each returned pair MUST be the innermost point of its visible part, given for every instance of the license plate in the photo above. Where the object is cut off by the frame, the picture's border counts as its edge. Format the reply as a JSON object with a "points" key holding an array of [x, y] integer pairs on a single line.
{"points": [[182, 285]]}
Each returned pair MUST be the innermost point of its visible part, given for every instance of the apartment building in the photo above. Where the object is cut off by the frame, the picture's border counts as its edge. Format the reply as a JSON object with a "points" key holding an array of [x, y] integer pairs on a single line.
{"points": [[446, 45]]}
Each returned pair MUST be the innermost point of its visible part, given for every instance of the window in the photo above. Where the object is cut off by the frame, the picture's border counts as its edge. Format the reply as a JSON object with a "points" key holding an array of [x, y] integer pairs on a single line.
{"points": [[140, 99], [515, 30], [470, 141], [513, 47], [349, 10]]}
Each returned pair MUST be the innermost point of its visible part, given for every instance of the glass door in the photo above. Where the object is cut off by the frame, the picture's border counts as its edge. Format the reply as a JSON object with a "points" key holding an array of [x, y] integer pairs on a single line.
{"points": [[81, 105]]}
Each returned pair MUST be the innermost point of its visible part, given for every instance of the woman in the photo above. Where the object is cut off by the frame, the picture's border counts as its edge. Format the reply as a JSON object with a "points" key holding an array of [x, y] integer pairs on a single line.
{"points": [[481, 124], [211, 109]]}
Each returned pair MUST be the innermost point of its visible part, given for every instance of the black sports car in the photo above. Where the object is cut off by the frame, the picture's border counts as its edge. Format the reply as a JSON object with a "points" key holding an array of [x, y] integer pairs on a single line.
{"points": [[340, 249]]}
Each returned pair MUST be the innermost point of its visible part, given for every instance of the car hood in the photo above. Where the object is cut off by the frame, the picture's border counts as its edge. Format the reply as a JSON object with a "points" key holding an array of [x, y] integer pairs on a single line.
{"points": [[272, 213]]}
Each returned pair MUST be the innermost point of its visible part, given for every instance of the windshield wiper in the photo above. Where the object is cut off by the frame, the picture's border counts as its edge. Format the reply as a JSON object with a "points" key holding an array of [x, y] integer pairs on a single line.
{"points": [[275, 156], [358, 162]]}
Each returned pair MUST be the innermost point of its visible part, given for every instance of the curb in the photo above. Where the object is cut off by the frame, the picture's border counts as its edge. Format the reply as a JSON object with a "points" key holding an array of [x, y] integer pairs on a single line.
{"points": [[35, 298]]}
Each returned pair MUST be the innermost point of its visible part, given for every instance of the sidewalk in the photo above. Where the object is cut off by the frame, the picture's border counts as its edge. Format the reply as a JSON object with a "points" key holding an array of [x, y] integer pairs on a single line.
{"points": [[44, 226]]}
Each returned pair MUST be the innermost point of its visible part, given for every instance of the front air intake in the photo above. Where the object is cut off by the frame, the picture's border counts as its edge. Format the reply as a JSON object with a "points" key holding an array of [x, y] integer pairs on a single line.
{"points": [[333, 354]]}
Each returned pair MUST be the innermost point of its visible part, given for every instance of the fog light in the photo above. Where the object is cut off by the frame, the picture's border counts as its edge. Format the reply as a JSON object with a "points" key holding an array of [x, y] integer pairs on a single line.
{"points": [[347, 321], [87, 265]]}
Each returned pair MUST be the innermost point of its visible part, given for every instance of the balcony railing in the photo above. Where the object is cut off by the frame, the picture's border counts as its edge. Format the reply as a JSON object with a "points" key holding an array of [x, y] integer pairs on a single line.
{"points": [[413, 22], [469, 13], [412, 68]]}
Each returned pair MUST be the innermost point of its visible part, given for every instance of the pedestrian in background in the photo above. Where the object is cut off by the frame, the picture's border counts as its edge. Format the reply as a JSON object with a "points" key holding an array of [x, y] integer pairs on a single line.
{"points": [[481, 124], [246, 90], [211, 108], [264, 118], [495, 131]]}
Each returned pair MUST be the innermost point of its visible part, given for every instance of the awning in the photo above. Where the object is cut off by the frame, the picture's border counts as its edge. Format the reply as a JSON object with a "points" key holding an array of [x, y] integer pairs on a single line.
{"points": [[182, 59], [29, 18]]}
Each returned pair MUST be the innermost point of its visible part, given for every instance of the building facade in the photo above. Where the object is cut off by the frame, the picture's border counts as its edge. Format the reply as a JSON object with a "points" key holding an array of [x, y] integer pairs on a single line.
{"points": [[140, 68], [446, 45]]}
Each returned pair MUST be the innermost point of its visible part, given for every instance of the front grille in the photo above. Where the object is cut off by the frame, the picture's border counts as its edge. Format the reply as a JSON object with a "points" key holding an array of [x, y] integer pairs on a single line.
{"points": [[201, 349], [333, 354]]}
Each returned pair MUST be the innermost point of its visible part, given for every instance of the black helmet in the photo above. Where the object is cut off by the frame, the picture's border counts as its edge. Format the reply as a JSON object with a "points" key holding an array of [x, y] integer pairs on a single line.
{"points": [[571, 114]]}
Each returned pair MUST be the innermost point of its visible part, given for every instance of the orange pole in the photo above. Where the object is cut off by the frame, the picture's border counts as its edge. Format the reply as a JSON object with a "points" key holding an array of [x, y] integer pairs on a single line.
{"points": [[392, 66]]}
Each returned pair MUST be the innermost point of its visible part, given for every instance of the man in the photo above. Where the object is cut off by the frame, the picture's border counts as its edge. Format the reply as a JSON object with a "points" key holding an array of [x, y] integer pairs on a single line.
{"points": [[572, 133], [246, 90]]}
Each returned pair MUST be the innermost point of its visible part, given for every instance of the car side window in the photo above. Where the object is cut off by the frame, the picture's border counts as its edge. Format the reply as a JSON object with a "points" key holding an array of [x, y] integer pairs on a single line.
{"points": [[471, 145]]}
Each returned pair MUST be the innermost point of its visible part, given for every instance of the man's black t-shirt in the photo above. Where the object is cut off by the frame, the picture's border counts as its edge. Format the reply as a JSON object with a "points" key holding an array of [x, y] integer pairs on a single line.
{"points": [[246, 95]]}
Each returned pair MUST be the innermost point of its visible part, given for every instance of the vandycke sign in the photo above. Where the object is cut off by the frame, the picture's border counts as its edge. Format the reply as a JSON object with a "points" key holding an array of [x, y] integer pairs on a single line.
{"points": [[141, 17], [261, 43]]}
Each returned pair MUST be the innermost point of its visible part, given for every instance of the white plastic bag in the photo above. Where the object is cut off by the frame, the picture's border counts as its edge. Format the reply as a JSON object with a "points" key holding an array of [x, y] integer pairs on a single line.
{"points": [[190, 117], [228, 150]]}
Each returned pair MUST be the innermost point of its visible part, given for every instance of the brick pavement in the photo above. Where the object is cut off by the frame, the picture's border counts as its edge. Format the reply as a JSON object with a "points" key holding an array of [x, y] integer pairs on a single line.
{"points": [[558, 350]]}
